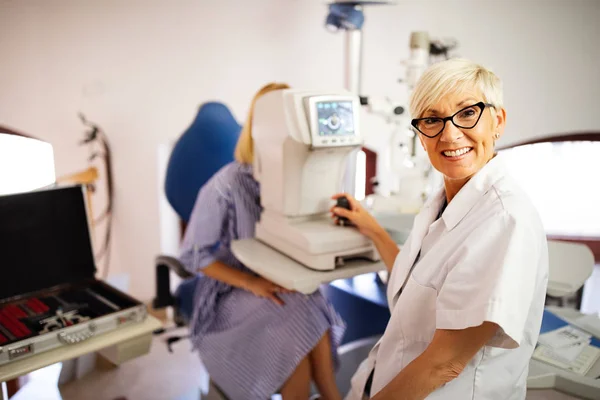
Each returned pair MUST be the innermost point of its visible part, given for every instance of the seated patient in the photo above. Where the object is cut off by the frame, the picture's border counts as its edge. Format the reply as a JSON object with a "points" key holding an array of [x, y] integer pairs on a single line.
{"points": [[255, 337]]}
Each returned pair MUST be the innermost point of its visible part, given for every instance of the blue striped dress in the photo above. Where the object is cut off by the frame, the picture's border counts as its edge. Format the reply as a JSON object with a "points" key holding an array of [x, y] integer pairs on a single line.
{"points": [[249, 344]]}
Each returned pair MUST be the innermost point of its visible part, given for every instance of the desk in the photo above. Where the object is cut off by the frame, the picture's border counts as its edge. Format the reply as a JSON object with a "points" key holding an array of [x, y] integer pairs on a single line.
{"points": [[292, 275], [117, 346], [545, 376], [284, 271], [362, 303]]}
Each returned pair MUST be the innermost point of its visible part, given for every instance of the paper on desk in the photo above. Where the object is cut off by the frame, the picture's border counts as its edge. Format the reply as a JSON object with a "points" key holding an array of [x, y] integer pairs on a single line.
{"points": [[566, 336], [566, 354], [581, 365]]}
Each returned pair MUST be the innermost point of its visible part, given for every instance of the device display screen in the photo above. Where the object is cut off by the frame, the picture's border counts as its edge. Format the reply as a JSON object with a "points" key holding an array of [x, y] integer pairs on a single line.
{"points": [[336, 118]]}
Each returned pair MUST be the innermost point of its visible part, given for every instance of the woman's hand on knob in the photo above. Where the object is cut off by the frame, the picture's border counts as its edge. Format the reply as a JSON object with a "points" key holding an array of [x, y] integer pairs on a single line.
{"points": [[357, 215]]}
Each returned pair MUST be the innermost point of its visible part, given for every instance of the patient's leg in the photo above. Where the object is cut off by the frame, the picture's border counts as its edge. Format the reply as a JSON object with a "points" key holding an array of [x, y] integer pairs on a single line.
{"points": [[323, 373], [297, 387]]}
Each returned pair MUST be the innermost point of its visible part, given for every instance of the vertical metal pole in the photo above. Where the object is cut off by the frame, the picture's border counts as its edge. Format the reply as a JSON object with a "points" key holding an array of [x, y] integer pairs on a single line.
{"points": [[353, 61], [352, 82]]}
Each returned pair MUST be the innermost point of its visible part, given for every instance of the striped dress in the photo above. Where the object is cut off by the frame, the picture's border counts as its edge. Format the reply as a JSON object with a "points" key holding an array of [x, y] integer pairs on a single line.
{"points": [[249, 344]]}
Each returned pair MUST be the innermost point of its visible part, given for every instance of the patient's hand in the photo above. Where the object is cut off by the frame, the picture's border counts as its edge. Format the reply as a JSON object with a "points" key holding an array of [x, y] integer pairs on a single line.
{"points": [[357, 215], [262, 287]]}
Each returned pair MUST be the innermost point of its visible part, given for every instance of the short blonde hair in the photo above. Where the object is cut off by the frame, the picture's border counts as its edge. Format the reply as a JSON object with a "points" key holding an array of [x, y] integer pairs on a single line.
{"points": [[244, 149], [452, 76]]}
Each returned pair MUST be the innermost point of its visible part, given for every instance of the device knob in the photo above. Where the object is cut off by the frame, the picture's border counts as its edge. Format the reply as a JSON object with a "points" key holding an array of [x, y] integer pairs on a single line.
{"points": [[343, 202]]}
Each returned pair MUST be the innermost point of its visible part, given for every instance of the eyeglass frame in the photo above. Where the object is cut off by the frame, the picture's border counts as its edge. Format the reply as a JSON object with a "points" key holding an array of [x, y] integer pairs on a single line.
{"points": [[482, 105]]}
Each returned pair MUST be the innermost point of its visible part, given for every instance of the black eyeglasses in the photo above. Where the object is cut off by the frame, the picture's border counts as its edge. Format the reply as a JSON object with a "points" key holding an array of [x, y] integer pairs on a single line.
{"points": [[465, 118]]}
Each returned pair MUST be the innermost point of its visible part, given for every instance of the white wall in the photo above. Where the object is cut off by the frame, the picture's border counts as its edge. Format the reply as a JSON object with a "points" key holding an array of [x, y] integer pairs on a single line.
{"points": [[141, 68]]}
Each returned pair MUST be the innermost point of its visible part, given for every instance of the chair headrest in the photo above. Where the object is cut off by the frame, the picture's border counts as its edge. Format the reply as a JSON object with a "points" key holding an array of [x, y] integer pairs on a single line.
{"points": [[205, 147]]}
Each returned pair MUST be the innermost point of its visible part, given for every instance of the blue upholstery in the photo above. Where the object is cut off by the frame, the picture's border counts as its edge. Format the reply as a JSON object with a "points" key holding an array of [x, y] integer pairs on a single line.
{"points": [[206, 146]]}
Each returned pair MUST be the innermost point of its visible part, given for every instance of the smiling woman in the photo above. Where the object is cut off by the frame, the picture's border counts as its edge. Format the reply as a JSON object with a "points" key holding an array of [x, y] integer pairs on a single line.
{"points": [[467, 290], [470, 99]]}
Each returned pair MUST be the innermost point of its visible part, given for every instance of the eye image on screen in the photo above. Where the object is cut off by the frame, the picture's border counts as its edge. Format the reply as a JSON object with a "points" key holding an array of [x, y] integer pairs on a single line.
{"points": [[335, 118]]}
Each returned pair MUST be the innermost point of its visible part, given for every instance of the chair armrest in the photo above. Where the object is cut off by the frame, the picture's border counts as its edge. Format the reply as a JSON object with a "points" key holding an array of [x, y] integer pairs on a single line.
{"points": [[164, 265], [174, 265]]}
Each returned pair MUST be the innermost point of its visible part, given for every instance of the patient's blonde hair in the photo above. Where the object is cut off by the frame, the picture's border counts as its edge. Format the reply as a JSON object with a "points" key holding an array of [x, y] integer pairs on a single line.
{"points": [[244, 150], [452, 76]]}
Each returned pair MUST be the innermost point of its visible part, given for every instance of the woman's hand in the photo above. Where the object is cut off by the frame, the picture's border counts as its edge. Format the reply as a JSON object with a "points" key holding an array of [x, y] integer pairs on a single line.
{"points": [[368, 226], [262, 287], [358, 216]]}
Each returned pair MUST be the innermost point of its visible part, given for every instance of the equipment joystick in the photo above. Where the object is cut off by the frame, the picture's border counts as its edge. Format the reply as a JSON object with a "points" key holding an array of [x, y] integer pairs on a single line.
{"points": [[343, 202]]}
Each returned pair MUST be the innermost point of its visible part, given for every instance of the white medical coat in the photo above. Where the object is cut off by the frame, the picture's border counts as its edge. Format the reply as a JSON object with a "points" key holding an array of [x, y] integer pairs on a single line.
{"points": [[485, 259]]}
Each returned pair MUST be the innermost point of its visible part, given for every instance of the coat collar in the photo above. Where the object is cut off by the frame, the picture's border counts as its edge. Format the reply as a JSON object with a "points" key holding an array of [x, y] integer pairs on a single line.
{"points": [[470, 193], [455, 211]]}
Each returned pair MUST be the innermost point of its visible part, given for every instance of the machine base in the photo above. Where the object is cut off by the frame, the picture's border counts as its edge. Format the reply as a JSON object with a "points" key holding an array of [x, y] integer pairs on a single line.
{"points": [[276, 267], [316, 243]]}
